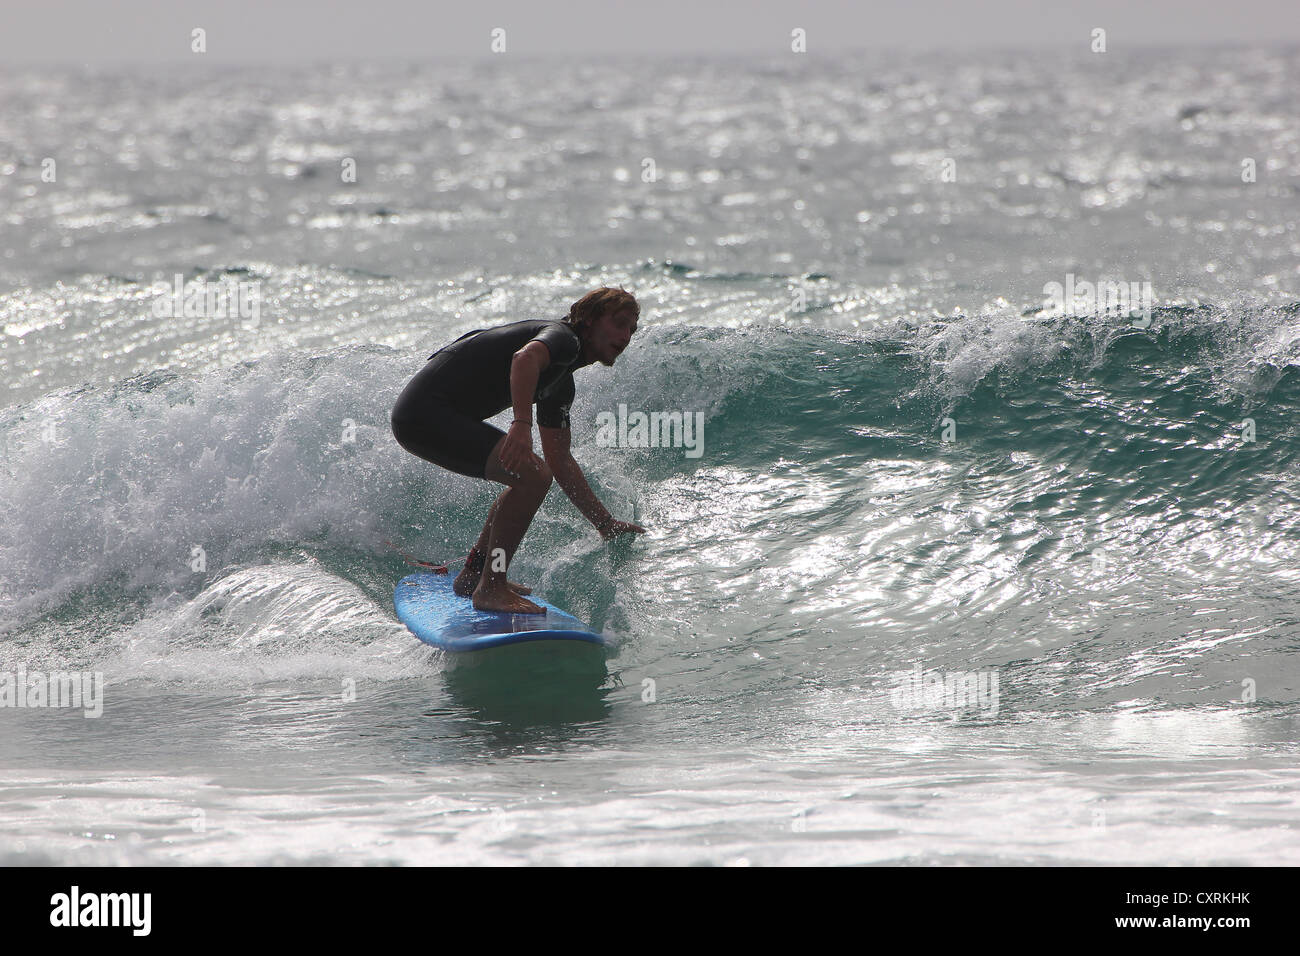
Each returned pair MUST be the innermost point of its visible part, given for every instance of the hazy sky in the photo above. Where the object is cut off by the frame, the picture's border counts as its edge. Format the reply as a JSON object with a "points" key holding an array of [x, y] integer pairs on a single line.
{"points": [[153, 30]]}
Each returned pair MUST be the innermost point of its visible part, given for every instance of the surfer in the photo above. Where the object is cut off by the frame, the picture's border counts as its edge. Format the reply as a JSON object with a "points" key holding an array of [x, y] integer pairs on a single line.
{"points": [[440, 417]]}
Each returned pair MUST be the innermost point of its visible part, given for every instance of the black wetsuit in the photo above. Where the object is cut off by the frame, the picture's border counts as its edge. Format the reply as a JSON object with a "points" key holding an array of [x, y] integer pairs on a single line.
{"points": [[439, 415]]}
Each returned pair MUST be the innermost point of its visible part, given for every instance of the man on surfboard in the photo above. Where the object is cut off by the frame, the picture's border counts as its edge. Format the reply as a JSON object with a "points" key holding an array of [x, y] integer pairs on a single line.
{"points": [[440, 417]]}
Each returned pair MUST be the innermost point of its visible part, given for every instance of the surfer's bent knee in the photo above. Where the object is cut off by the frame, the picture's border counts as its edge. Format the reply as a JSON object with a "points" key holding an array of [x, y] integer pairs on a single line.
{"points": [[539, 475]]}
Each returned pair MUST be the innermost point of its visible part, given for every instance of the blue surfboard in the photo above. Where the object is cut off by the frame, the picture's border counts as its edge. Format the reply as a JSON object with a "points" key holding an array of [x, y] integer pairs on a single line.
{"points": [[438, 616]]}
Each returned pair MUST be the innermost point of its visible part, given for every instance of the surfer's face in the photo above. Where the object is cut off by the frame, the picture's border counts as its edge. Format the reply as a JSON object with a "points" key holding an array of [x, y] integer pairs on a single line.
{"points": [[609, 336]]}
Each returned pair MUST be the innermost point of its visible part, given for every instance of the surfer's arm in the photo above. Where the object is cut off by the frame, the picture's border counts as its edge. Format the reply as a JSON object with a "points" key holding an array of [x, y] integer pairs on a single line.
{"points": [[525, 369], [569, 476], [556, 443]]}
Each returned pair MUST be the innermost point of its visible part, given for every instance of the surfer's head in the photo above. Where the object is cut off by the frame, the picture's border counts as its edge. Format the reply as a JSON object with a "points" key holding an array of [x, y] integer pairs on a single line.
{"points": [[605, 320]]}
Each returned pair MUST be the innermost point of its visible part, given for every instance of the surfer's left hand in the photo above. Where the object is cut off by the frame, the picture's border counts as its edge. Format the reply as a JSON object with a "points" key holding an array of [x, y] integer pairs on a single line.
{"points": [[615, 528]]}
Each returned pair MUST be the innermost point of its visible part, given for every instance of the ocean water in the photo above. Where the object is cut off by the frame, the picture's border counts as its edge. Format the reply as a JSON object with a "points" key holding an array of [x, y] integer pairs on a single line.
{"points": [[954, 578]]}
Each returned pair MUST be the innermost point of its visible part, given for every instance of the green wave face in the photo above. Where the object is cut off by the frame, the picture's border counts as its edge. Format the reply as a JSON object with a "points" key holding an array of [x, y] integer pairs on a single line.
{"points": [[963, 490]]}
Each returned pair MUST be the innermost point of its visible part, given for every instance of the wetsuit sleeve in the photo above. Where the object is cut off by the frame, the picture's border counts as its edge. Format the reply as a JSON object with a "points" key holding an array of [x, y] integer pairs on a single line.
{"points": [[561, 342], [553, 411]]}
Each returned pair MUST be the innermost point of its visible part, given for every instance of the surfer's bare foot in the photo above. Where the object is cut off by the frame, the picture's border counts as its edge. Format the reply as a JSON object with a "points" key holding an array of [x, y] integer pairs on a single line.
{"points": [[505, 600], [466, 583]]}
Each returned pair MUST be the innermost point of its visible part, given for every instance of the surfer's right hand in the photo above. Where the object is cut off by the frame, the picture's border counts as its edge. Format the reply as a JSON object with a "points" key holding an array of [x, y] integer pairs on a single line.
{"points": [[517, 449]]}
